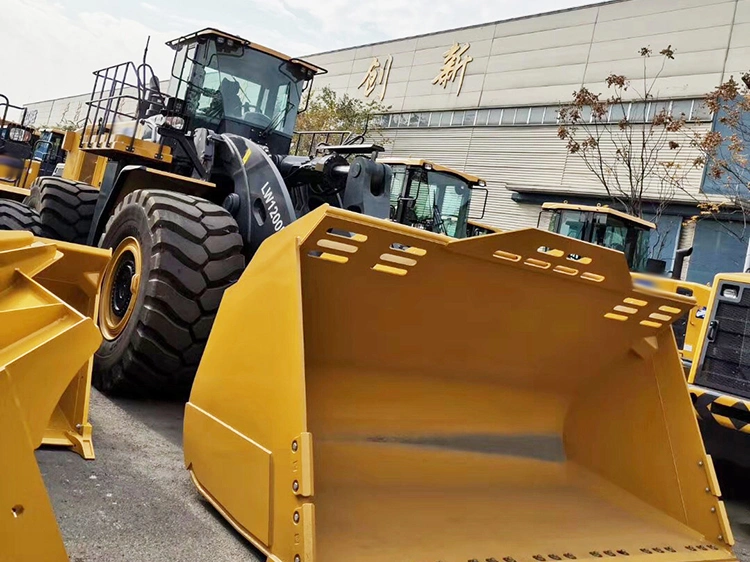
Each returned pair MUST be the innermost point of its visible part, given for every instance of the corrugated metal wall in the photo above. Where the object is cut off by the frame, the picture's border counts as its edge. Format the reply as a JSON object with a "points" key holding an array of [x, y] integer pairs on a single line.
{"points": [[526, 159], [480, 152]]}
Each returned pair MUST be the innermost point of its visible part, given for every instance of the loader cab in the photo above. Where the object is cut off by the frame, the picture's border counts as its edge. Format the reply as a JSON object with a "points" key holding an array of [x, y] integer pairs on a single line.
{"points": [[602, 226], [432, 197], [48, 150], [231, 85], [16, 142]]}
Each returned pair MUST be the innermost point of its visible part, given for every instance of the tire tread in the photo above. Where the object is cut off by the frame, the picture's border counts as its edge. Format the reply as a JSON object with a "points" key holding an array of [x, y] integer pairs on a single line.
{"points": [[197, 252], [66, 207]]}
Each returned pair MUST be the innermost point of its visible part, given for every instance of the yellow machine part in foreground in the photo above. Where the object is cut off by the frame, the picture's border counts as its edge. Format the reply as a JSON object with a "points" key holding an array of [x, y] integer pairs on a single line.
{"points": [[372, 392], [16, 176], [45, 345], [75, 279], [694, 320], [711, 404]]}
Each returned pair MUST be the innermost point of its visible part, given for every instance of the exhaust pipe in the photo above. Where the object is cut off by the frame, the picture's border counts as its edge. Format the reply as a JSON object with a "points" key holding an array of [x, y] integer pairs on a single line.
{"points": [[679, 260]]}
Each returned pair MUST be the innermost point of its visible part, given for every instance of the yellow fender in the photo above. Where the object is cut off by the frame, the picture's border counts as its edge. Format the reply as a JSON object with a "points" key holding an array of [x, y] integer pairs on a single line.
{"points": [[45, 344], [374, 392]]}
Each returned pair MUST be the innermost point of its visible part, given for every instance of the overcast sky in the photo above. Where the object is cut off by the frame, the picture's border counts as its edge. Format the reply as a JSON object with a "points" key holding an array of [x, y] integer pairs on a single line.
{"points": [[51, 47]]}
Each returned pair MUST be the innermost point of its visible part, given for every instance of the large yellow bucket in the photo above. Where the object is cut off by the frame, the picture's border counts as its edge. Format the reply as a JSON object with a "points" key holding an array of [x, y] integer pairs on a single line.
{"points": [[372, 392], [45, 344]]}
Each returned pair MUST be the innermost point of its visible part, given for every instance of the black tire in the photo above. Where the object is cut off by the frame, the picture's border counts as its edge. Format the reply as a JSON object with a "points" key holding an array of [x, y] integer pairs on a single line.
{"points": [[191, 251], [66, 207], [17, 216]]}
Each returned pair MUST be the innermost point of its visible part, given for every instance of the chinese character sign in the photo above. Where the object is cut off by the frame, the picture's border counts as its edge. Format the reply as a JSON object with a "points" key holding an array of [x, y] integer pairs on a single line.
{"points": [[377, 75], [454, 66]]}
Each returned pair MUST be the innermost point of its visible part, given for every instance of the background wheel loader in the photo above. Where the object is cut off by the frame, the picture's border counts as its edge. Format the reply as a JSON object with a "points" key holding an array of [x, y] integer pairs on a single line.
{"points": [[423, 194], [433, 197], [719, 380], [25, 153], [192, 182], [625, 233]]}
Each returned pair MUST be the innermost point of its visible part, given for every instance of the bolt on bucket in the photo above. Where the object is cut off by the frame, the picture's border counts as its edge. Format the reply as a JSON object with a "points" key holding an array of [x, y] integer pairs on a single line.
{"points": [[373, 392]]}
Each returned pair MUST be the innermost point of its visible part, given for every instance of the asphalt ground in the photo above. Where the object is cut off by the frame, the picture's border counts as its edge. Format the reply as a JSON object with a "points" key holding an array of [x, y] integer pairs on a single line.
{"points": [[136, 503]]}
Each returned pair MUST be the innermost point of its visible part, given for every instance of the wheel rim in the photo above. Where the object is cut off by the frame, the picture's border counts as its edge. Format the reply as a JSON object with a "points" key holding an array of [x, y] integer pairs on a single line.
{"points": [[120, 288]]}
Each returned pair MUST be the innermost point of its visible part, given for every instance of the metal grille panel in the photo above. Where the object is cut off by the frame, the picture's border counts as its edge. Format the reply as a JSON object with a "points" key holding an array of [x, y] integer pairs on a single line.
{"points": [[726, 360]]}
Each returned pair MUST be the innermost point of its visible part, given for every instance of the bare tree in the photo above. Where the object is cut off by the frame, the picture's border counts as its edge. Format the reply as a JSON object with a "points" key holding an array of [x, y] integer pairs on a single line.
{"points": [[634, 146], [724, 152]]}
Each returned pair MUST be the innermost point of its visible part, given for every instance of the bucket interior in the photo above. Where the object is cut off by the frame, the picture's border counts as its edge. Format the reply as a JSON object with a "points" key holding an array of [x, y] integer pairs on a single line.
{"points": [[467, 405]]}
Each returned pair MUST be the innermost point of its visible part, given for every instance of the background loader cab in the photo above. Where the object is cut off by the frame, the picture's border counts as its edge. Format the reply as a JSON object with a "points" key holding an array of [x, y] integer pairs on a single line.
{"points": [[25, 154], [431, 196], [48, 150], [603, 226], [16, 147], [631, 235]]}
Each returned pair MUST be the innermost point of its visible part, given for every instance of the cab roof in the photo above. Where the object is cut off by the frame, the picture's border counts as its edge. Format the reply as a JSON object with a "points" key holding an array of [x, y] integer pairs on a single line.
{"points": [[599, 209], [422, 163], [210, 32]]}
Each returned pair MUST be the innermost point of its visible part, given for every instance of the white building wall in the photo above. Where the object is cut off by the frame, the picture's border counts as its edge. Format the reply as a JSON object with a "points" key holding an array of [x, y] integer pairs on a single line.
{"points": [[57, 112], [541, 60], [538, 60]]}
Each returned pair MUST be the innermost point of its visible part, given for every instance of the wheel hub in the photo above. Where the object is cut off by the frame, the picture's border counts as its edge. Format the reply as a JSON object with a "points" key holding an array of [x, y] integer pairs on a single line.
{"points": [[121, 294], [120, 288]]}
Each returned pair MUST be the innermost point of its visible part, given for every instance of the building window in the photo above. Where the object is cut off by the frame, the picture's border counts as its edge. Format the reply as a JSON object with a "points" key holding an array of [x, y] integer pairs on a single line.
{"points": [[536, 116], [718, 246], [682, 108], [550, 115], [664, 240], [700, 111], [509, 116], [482, 116], [637, 112]]}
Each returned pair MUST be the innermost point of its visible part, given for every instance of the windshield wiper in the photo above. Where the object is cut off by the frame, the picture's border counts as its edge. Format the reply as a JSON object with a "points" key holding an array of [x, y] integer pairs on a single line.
{"points": [[277, 119]]}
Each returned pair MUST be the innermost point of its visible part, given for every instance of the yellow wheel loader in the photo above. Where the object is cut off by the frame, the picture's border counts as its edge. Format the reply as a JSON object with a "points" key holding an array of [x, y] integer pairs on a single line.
{"points": [[192, 182], [423, 194], [430, 196], [719, 380], [17, 168], [608, 227], [25, 154], [337, 425]]}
